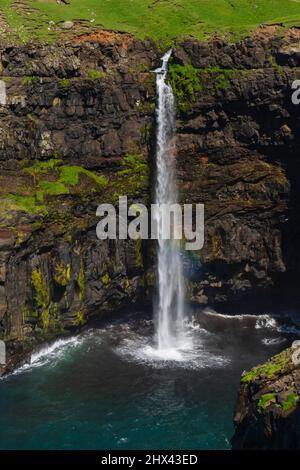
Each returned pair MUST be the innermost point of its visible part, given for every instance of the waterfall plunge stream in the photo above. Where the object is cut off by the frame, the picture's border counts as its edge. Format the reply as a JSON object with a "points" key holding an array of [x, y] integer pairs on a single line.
{"points": [[171, 333]]}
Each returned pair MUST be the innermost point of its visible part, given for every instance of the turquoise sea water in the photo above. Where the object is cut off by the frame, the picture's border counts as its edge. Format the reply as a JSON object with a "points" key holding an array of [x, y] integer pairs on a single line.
{"points": [[106, 388]]}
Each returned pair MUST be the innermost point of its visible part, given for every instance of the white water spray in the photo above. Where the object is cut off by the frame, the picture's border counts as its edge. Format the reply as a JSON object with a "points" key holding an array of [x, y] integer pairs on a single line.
{"points": [[171, 334]]}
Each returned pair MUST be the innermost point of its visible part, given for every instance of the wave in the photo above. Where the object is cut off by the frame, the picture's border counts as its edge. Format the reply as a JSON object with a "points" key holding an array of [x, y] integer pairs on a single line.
{"points": [[287, 322], [272, 341], [51, 353], [133, 340], [56, 349]]}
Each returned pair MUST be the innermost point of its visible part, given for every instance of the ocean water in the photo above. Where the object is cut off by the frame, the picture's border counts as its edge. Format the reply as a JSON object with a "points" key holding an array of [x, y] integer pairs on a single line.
{"points": [[108, 389]]}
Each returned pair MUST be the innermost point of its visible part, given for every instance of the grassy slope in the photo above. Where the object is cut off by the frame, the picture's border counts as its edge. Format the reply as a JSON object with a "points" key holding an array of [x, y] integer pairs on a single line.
{"points": [[159, 19]]}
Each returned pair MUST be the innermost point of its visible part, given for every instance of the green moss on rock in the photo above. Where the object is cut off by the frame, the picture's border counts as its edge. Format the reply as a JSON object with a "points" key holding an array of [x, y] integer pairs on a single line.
{"points": [[95, 74], [64, 83], [42, 167], [50, 178], [126, 284], [187, 81], [25, 313], [17, 202], [133, 178], [62, 273], [45, 319], [216, 243], [69, 175], [80, 318], [42, 294], [81, 281], [277, 365], [266, 400], [42, 297], [278, 68], [269, 399], [105, 279], [138, 253], [30, 80], [290, 402]]}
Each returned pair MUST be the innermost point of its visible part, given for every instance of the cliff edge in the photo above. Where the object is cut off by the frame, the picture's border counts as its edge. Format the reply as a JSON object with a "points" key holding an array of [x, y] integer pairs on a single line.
{"points": [[267, 414]]}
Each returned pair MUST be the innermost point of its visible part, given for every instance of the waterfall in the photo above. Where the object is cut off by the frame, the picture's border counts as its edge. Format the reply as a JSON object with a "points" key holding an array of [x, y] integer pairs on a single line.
{"points": [[171, 335]]}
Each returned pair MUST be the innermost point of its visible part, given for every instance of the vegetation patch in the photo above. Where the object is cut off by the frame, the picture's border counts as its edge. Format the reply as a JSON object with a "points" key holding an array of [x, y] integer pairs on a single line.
{"points": [[80, 318], [47, 180], [139, 253], [62, 273], [81, 281], [24, 203], [216, 244], [269, 399], [133, 178], [61, 176], [187, 81], [290, 402], [30, 80], [25, 313], [105, 279], [278, 68], [69, 175], [42, 297], [42, 167], [95, 74], [163, 21], [266, 400], [279, 364]]}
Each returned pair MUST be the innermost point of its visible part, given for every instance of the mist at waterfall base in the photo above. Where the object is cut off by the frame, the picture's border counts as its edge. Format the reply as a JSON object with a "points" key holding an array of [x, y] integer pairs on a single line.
{"points": [[102, 390]]}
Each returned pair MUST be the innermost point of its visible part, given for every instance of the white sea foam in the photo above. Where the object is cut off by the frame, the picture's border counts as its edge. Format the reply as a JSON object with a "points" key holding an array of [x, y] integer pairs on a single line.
{"points": [[266, 321], [272, 341], [54, 350], [285, 323], [189, 356], [133, 342], [51, 353]]}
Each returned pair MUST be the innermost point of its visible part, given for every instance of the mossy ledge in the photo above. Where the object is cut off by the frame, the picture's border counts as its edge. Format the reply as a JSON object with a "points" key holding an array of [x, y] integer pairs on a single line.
{"points": [[187, 81], [277, 365], [267, 410], [35, 188]]}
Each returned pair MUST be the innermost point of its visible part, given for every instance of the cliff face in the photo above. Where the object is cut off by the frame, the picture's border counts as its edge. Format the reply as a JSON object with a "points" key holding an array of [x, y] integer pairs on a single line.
{"points": [[77, 129], [267, 414], [238, 143]]}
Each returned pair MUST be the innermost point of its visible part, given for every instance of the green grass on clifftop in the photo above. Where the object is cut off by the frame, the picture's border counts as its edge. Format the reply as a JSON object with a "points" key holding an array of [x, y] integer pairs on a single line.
{"points": [[159, 19]]}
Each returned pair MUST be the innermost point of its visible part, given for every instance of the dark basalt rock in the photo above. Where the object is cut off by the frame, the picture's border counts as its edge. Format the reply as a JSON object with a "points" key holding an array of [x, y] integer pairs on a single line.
{"points": [[267, 414]]}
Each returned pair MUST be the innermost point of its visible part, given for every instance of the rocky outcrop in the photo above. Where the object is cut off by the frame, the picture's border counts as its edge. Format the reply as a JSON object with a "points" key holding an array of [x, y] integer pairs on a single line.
{"points": [[77, 129], [267, 414]]}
